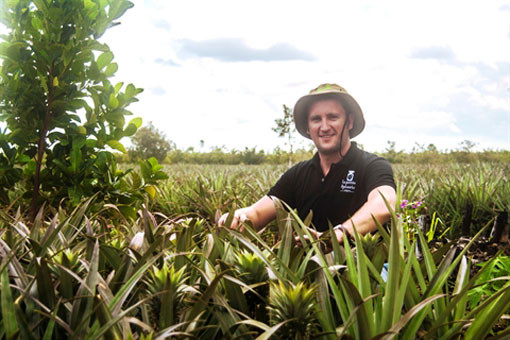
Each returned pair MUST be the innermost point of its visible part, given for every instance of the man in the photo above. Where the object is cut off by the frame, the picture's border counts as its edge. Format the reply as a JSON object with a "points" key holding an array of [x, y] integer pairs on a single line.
{"points": [[341, 184]]}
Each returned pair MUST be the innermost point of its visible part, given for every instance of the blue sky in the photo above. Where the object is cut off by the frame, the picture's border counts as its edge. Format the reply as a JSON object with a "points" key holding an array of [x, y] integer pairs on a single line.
{"points": [[220, 71]]}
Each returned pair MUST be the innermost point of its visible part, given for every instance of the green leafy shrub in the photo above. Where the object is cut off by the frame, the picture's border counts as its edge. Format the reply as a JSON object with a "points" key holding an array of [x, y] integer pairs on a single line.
{"points": [[61, 111]]}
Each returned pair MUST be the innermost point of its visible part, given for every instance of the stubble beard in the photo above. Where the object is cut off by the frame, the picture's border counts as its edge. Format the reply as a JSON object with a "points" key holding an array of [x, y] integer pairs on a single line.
{"points": [[328, 151]]}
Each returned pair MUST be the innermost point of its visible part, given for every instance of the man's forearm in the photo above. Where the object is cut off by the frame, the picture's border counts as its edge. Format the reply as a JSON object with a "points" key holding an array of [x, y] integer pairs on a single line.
{"points": [[375, 207], [259, 214]]}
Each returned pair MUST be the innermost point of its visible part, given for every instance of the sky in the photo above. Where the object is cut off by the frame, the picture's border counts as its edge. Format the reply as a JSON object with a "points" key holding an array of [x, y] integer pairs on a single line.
{"points": [[220, 71]]}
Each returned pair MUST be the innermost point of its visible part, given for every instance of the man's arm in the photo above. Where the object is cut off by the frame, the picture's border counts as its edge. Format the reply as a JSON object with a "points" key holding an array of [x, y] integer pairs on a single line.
{"points": [[260, 213], [362, 219]]}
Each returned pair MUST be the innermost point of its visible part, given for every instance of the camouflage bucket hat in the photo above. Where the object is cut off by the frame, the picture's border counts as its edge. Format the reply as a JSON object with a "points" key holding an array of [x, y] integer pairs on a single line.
{"points": [[328, 91]]}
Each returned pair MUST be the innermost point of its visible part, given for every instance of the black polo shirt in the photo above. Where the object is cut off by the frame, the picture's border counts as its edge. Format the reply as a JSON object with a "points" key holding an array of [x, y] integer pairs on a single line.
{"points": [[340, 194]]}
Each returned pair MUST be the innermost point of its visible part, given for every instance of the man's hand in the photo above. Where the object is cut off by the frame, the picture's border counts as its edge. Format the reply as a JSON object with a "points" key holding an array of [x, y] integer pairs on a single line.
{"points": [[239, 216], [259, 214], [323, 238]]}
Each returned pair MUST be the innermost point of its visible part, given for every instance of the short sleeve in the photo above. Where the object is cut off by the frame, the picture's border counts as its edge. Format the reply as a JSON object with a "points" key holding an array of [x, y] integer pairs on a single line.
{"points": [[379, 173], [284, 187]]}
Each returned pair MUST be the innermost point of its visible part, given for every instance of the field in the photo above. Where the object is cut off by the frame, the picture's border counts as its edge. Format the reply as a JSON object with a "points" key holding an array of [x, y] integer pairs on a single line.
{"points": [[93, 250], [172, 273]]}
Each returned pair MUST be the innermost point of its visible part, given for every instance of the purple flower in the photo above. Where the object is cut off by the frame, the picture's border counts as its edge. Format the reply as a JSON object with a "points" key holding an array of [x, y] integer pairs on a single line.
{"points": [[403, 204]]}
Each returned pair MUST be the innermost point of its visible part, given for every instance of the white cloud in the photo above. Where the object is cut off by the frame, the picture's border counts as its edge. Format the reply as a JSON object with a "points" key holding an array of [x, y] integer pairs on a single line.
{"points": [[366, 47], [422, 121]]}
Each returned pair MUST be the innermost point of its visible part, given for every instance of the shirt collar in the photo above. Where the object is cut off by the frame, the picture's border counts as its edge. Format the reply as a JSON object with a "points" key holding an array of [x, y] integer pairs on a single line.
{"points": [[353, 150]]}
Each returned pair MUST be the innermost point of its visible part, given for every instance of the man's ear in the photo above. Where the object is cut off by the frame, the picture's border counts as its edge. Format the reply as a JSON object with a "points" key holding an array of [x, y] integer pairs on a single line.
{"points": [[350, 122]]}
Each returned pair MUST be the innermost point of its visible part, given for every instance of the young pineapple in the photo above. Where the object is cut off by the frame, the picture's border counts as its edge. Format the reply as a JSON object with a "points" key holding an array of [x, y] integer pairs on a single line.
{"points": [[251, 267], [168, 286], [297, 304], [252, 270]]}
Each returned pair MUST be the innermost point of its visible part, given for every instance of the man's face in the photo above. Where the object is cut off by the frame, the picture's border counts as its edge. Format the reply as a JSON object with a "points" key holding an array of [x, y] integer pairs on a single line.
{"points": [[326, 120]]}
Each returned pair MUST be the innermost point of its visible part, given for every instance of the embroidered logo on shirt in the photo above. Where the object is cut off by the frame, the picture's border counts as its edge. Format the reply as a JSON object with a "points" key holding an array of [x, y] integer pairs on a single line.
{"points": [[348, 184]]}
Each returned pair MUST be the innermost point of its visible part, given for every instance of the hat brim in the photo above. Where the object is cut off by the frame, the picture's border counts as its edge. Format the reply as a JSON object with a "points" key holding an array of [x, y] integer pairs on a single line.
{"points": [[349, 104]]}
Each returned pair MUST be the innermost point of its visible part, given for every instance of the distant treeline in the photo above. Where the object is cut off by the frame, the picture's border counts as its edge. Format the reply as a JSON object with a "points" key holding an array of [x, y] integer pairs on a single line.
{"points": [[151, 142], [453, 156], [429, 155]]}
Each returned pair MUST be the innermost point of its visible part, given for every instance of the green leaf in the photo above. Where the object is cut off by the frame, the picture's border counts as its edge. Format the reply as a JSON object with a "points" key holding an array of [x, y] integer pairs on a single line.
{"points": [[202, 301], [271, 331], [104, 59], [116, 117], [456, 303], [151, 191], [10, 326], [130, 130], [113, 102], [136, 121], [130, 91], [82, 307], [37, 23], [91, 143], [154, 163], [145, 169], [75, 193], [128, 211], [75, 158], [48, 334], [118, 8], [66, 283], [118, 86], [79, 141], [115, 144], [484, 321], [94, 44], [284, 251], [54, 136], [160, 175], [354, 298], [104, 316], [76, 104], [44, 283], [111, 69], [390, 313], [25, 329], [22, 158], [89, 4], [136, 180], [68, 56], [41, 5], [13, 50], [29, 168], [460, 283], [395, 329]]}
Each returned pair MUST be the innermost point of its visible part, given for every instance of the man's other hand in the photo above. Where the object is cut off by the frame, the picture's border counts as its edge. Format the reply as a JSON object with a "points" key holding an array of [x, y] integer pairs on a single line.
{"points": [[238, 218]]}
